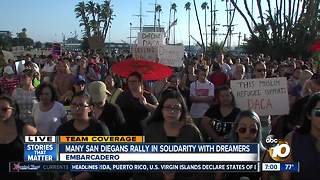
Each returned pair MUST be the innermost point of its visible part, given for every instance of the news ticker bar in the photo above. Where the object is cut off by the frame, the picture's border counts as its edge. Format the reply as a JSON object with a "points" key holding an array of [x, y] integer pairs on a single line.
{"points": [[83, 139], [284, 167], [136, 167], [141, 152]]}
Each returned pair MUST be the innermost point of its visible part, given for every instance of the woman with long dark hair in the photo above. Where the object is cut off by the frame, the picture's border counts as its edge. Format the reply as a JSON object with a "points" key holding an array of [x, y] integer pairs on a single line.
{"points": [[12, 132], [170, 123], [82, 124], [305, 142]]}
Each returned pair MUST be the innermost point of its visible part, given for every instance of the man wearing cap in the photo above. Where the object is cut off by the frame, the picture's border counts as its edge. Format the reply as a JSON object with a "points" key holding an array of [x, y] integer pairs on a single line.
{"points": [[108, 113], [79, 85], [9, 81]]}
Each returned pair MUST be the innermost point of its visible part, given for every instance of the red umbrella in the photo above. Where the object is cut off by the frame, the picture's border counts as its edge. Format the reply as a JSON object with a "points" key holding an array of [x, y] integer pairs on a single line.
{"points": [[149, 69]]}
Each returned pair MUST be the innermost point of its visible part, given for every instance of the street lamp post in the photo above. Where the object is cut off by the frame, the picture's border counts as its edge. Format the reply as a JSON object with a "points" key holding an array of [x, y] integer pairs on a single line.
{"points": [[130, 35]]}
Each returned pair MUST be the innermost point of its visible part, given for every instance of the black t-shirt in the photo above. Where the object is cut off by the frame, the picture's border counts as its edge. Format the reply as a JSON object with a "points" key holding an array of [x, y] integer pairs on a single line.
{"points": [[95, 128], [13, 152], [134, 112], [222, 125], [112, 116]]}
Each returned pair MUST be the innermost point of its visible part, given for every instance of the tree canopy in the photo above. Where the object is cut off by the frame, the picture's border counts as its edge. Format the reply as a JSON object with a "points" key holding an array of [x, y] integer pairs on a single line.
{"points": [[284, 28]]}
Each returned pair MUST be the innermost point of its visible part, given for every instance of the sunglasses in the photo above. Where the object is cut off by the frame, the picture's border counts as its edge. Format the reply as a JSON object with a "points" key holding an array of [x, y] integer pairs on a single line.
{"points": [[78, 106], [261, 70], [172, 108], [243, 130], [316, 112], [5, 109]]}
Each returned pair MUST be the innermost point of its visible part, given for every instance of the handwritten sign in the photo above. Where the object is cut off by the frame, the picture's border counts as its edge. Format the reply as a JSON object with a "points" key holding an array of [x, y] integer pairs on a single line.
{"points": [[264, 96], [171, 55], [145, 52], [150, 38]]}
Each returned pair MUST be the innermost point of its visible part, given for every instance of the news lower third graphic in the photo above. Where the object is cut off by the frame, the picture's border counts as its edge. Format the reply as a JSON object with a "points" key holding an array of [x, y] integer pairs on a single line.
{"points": [[131, 154]]}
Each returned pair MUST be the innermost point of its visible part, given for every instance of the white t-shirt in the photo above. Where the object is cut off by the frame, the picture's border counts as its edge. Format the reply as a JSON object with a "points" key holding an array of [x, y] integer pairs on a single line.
{"points": [[48, 122], [200, 89], [48, 68], [226, 69]]}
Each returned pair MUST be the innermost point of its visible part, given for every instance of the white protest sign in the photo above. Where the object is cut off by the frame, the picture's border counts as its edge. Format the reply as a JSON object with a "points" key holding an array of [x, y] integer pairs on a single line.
{"points": [[145, 52], [264, 96], [171, 55], [150, 38]]}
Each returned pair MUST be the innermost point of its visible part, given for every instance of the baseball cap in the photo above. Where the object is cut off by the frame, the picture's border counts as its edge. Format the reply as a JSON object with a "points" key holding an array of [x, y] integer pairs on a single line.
{"points": [[8, 70], [79, 80], [97, 91]]}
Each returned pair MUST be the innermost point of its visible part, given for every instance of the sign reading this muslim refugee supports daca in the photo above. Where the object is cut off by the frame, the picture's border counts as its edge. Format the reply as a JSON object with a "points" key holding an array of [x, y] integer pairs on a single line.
{"points": [[264, 96]]}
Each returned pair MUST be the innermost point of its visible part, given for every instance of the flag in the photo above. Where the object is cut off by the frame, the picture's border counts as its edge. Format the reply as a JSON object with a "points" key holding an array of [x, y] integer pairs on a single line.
{"points": [[173, 23]]}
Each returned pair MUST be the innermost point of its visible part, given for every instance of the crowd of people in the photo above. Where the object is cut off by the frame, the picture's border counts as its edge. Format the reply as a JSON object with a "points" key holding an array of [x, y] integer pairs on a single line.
{"points": [[77, 94]]}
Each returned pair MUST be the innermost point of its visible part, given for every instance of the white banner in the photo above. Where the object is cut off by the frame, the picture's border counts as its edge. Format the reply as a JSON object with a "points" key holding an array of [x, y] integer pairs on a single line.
{"points": [[150, 38], [171, 55], [264, 96]]}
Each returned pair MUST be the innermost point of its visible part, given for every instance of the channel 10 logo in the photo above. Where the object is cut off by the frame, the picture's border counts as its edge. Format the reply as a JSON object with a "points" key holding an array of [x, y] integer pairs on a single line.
{"points": [[279, 149]]}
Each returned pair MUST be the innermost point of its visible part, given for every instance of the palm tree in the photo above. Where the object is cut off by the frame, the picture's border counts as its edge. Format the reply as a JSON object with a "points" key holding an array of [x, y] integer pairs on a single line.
{"points": [[174, 9], [106, 16], [159, 10], [91, 7], [81, 11], [187, 6], [195, 8], [204, 6], [96, 18]]}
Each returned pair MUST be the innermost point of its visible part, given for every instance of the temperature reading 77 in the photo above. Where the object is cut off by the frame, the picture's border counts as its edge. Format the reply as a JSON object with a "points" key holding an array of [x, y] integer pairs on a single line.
{"points": [[289, 166]]}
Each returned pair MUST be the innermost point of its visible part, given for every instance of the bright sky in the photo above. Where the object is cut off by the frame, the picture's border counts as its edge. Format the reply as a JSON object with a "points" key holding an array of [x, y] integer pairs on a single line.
{"points": [[47, 20]]}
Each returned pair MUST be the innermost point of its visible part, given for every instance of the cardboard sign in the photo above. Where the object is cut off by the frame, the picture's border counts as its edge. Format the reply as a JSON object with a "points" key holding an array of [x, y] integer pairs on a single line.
{"points": [[150, 38], [171, 55], [96, 42], [264, 96], [145, 52]]}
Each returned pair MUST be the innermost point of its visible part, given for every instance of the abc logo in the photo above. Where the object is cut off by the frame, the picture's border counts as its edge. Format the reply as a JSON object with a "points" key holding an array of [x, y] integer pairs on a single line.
{"points": [[279, 150]]}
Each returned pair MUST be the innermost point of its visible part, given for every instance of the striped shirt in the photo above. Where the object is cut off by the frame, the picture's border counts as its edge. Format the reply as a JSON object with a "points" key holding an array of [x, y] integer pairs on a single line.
{"points": [[8, 85]]}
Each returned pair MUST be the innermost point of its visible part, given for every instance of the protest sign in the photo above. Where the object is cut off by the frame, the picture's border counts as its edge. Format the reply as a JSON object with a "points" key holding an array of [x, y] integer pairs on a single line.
{"points": [[264, 96], [150, 38], [171, 55], [96, 42], [145, 52]]}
